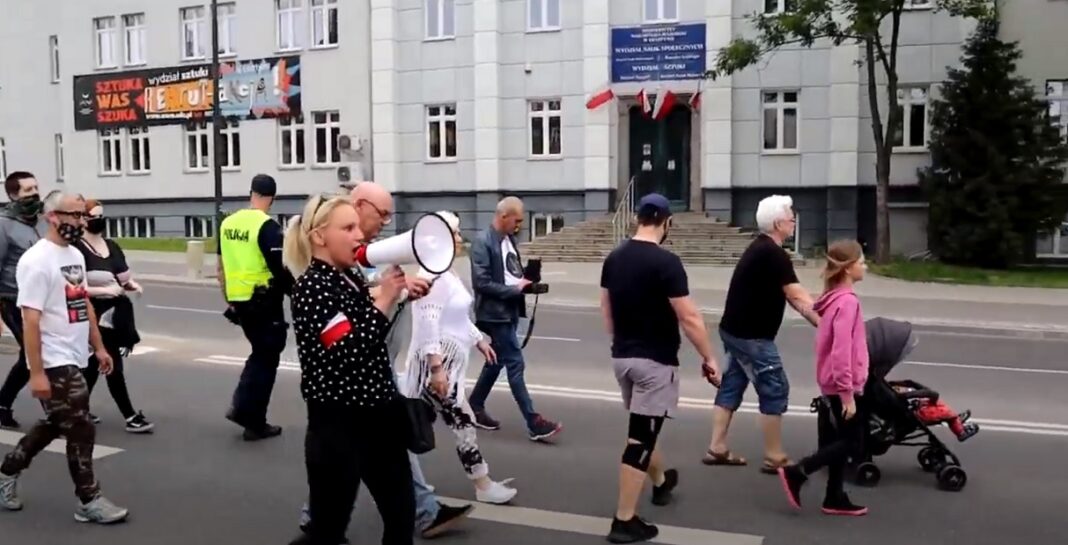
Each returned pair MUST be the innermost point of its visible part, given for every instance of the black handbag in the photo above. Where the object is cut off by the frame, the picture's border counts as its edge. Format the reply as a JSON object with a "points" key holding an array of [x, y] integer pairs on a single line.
{"points": [[420, 415]]}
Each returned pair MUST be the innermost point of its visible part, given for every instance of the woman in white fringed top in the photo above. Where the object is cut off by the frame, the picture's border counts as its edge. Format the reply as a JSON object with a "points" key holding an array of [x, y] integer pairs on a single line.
{"points": [[441, 342]]}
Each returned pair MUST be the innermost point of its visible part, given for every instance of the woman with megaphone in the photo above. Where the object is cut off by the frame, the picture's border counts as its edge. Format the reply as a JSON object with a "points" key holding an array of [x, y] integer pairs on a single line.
{"points": [[441, 342], [357, 422]]}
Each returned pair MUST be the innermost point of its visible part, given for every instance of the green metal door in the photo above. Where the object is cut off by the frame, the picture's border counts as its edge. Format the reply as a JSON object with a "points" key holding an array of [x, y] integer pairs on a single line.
{"points": [[660, 155]]}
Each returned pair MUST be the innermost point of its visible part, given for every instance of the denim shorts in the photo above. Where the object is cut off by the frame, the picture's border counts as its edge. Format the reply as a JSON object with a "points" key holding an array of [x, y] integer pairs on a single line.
{"points": [[756, 361]]}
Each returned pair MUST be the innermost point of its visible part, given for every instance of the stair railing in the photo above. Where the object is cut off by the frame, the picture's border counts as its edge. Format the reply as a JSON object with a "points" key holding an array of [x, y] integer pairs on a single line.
{"points": [[624, 213]]}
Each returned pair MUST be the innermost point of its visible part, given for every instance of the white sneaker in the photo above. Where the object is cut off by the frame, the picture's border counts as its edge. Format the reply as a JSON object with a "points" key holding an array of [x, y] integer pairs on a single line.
{"points": [[100, 511], [9, 493], [497, 493]]}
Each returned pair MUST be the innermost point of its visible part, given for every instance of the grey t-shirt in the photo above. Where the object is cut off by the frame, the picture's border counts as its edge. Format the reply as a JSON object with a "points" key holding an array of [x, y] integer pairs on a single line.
{"points": [[16, 236]]}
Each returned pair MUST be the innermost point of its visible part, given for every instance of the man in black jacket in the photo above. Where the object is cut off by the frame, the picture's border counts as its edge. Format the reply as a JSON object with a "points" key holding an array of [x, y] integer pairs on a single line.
{"points": [[499, 286]]}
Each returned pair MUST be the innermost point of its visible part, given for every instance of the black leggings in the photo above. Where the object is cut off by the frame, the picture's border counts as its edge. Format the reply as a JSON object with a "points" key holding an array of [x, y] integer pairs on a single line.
{"points": [[116, 380], [838, 439], [19, 374], [345, 447]]}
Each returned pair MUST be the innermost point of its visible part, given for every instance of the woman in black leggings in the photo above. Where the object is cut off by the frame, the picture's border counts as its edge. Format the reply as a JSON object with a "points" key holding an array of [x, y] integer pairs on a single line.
{"points": [[109, 279]]}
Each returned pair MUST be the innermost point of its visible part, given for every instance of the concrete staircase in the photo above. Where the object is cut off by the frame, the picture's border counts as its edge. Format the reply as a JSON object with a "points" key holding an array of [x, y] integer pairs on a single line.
{"points": [[697, 239]]}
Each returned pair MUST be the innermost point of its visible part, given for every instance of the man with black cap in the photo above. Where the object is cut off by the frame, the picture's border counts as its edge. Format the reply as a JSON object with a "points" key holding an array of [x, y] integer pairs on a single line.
{"points": [[644, 300], [254, 282]]}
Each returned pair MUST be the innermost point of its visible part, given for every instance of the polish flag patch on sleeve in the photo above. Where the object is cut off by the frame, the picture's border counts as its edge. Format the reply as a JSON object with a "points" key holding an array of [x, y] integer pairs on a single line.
{"points": [[335, 330]]}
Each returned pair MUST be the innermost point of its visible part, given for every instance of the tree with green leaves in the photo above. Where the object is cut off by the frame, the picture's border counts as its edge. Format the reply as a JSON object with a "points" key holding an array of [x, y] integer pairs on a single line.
{"points": [[997, 162], [873, 25]]}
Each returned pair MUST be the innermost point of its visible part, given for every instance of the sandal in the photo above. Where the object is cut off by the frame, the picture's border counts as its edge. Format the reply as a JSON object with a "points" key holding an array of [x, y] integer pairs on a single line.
{"points": [[771, 467], [722, 459]]}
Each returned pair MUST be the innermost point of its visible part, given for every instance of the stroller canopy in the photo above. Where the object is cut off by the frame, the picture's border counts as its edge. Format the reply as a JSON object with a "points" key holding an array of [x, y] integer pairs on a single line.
{"points": [[889, 341]]}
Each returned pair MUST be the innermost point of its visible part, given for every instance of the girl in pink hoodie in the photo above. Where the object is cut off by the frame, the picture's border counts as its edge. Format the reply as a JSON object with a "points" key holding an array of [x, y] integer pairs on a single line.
{"points": [[841, 371]]}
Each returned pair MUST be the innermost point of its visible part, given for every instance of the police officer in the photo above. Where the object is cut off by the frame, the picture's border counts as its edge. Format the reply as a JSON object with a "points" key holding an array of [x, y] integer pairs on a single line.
{"points": [[254, 282]]}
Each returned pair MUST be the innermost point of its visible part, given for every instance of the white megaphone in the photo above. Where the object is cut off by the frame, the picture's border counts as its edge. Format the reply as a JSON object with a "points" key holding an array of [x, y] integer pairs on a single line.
{"points": [[430, 244]]}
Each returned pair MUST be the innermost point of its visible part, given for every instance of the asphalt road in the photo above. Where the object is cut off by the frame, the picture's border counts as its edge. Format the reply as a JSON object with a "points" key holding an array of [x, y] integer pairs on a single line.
{"points": [[195, 481]]}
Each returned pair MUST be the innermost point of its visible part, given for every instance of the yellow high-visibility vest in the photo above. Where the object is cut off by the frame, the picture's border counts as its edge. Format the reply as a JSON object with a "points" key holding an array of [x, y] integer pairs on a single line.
{"points": [[244, 266]]}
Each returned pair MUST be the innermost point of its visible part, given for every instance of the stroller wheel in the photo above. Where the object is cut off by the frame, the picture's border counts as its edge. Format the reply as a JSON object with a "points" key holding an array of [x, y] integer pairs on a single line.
{"points": [[930, 458], [868, 474], [952, 478]]}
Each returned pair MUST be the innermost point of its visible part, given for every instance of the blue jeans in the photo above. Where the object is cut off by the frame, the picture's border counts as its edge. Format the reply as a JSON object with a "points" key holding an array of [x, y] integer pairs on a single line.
{"points": [[426, 503], [510, 356], [756, 361]]}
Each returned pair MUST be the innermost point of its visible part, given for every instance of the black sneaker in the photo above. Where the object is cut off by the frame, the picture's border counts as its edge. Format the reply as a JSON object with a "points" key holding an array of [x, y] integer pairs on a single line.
{"points": [[543, 429], [964, 416], [139, 424], [305, 539], [447, 519], [631, 531], [792, 479], [95, 419], [662, 494], [7, 419], [486, 422], [263, 432], [841, 506], [968, 432]]}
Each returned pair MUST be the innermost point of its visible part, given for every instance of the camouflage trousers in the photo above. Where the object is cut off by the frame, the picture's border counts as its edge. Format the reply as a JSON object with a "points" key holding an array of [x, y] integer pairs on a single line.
{"points": [[67, 415]]}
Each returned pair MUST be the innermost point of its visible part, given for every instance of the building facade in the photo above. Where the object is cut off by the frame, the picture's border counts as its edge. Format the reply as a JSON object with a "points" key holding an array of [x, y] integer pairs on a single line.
{"points": [[454, 103]]}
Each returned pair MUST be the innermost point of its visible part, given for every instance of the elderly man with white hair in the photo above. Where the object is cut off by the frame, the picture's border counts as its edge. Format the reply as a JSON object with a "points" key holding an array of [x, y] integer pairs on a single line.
{"points": [[764, 281]]}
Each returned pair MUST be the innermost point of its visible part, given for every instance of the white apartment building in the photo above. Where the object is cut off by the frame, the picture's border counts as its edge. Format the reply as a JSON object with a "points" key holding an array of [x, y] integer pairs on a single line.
{"points": [[455, 103]]}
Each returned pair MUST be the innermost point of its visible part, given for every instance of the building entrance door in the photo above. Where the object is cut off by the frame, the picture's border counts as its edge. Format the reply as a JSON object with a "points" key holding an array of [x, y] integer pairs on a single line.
{"points": [[660, 155]]}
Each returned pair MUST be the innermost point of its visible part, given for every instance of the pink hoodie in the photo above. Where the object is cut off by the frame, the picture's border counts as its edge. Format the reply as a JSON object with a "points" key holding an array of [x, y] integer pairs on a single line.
{"points": [[841, 344]]}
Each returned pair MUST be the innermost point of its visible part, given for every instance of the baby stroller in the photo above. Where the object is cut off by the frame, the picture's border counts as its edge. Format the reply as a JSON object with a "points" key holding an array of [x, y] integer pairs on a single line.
{"points": [[891, 416]]}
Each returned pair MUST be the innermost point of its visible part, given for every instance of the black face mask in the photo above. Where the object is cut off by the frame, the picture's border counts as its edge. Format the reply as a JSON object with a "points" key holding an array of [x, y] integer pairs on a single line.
{"points": [[667, 229], [96, 225], [70, 233], [28, 207]]}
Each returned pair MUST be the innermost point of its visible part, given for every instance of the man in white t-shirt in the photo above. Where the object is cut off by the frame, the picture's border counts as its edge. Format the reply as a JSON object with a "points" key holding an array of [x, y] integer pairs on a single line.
{"points": [[59, 327]]}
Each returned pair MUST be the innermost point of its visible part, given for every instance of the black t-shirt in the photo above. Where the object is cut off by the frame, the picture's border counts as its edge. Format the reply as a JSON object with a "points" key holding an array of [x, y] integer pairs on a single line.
{"points": [[640, 278], [756, 301]]}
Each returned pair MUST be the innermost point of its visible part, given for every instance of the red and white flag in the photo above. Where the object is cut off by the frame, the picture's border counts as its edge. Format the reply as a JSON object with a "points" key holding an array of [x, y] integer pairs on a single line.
{"points": [[600, 98], [335, 330], [644, 103], [665, 101], [695, 101]]}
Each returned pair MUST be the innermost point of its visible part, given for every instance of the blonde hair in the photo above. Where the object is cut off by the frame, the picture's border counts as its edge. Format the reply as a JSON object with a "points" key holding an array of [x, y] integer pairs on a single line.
{"points": [[451, 219], [297, 246], [840, 256]]}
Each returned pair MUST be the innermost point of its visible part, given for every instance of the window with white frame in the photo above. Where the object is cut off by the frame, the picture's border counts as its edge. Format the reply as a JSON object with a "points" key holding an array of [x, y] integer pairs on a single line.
{"points": [[3, 158], [61, 168], [105, 42], [110, 151], [917, 4], [441, 132], [780, 121], [1057, 95], [290, 142], [199, 226], [544, 128], [440, 18], [657, 11], [290, 24], [543, 15], [140, 151], [133, 28], [545, 224], [130, 227], [53, 57], [228, 29], [194, 32], [197, 148], [911, 133], [779, 6], [231, 147], [324, 23], [327, 129]]}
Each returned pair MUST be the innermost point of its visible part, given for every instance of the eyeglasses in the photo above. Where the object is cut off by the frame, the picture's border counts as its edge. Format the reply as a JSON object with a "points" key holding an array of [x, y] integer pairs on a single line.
{"points": [[387, 217], [77, 214]]}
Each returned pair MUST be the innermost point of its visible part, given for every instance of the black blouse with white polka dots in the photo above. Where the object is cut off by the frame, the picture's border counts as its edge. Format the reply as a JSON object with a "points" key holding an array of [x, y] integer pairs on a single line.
{"points": [[352, 370]]}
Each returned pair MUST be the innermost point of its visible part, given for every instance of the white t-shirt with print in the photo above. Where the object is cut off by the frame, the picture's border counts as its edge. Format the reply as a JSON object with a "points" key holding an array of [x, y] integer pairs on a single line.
{"points": [[513, 270], [51, 279]]}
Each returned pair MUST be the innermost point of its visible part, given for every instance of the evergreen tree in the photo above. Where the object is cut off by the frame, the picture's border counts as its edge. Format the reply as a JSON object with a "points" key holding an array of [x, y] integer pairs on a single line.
{"points": [[997, 176]]}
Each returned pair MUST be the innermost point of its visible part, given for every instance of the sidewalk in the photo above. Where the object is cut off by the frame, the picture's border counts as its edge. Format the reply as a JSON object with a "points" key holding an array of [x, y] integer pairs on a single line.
{"points": [[1041, 311]]}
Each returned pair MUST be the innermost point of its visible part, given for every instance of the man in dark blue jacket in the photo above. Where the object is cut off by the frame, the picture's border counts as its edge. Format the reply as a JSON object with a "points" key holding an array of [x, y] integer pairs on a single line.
{"points": [[499, 286]]}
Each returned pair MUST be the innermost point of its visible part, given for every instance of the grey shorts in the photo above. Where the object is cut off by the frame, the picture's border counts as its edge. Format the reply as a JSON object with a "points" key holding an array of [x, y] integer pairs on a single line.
{"points": [[649, 388]]}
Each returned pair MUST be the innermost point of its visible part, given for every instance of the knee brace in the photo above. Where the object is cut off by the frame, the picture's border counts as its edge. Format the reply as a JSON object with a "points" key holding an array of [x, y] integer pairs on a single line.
{"points": [[641, 440]]}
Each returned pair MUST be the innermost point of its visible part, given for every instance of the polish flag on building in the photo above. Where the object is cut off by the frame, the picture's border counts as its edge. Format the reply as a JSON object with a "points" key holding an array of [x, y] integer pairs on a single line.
{"points": [[335, 330], [644, 103], [665, 101], [695, 101], [600, 98]]}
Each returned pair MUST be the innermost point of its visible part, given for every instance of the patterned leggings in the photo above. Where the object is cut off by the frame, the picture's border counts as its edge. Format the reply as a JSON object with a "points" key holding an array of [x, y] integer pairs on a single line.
{"points": [[67, 412], [459, 416]]}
